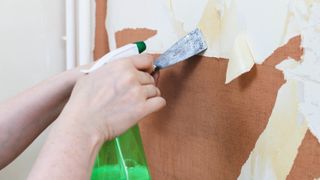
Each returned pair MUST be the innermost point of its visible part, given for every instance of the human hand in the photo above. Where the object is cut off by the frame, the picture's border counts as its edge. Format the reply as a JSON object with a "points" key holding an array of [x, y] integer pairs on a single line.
{"points": [[115, 97]]}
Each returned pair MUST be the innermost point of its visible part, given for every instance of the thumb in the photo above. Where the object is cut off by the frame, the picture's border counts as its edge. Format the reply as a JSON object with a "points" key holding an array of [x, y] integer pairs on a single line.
{"points": [[154, 104]]}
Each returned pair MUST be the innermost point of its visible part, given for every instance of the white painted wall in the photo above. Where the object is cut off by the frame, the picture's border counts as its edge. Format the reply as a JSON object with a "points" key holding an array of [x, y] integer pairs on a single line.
{"points": [[31, 49]]}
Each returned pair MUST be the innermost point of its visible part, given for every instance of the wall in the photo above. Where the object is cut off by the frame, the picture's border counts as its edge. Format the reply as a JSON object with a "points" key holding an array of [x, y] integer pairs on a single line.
{"points": [[208, 128], [31, 49]]}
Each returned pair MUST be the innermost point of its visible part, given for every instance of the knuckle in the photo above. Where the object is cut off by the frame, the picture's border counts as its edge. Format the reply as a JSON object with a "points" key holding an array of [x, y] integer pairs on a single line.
{"points": [[158, 92], [130, 60], [150, 91], [146, 58], [150, 78], [124, 80], [153, 81], [130, 78], [153, 90], [125, 63], [149, 59], [136, 91], [162, 103]]}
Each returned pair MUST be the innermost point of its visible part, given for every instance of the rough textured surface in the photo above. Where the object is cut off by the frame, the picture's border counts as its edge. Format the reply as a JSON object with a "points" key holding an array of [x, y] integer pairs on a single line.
{"points": [[307, 163], [208, 128], [101, 40], [129, 35]]}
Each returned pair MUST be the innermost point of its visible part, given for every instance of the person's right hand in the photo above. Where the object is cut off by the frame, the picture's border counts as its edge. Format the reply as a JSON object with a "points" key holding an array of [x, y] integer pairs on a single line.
{"points": [[113, 98]]}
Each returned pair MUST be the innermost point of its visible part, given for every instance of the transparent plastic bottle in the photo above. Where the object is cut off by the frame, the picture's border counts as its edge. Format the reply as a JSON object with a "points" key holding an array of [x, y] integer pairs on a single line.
{"points": [[122, 159]]}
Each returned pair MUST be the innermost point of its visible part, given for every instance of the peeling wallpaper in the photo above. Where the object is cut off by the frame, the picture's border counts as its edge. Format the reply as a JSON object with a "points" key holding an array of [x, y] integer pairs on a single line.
{"points": [[245, 33]]}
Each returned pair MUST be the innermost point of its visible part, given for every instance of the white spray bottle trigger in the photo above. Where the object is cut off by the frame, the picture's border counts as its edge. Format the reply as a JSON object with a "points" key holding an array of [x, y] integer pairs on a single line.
{"points": [[122, 52]]}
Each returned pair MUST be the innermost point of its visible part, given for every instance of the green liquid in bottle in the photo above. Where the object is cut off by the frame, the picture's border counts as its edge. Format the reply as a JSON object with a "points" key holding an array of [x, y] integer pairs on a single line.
{"points": [[113, 173], [122, 159]]}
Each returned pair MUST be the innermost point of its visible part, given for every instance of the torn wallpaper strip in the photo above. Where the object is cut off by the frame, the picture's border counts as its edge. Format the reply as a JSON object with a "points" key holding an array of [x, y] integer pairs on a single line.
{"points": [[245, 32], [222, 22], [241, 58], [297, 107], [150, 14], [307, 73], [277, 147]]}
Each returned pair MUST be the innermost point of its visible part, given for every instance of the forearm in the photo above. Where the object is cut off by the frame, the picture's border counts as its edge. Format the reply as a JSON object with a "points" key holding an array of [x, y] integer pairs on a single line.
{"points": [[103, 105], [68, 153], [25, 116]]}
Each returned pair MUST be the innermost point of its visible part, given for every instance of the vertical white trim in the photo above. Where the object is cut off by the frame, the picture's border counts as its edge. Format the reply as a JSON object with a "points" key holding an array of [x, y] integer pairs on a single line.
{"points": [[93, 25], [70, 34], [85, 34]]}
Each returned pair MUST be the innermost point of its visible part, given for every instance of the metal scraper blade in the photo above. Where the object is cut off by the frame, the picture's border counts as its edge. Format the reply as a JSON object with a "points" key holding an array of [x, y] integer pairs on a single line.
{"points": [[190, 45]]}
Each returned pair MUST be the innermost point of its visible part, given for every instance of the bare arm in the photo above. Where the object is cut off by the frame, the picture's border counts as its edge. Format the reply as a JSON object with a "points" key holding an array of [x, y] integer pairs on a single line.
{"points": [[25, 116], [103, 105]]}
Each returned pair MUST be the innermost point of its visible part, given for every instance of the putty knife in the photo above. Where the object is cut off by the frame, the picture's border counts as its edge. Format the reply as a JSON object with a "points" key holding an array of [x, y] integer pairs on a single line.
{"points": [[190, 45]]}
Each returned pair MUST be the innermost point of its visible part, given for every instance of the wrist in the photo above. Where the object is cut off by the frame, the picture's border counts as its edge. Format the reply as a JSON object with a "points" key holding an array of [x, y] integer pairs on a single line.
{"points": [[69, 127], [72, 76], [67, 148], [79, 125]]}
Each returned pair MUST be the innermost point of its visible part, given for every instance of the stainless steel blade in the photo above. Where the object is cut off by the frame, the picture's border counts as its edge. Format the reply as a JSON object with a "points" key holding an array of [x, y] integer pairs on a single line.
{"points": [[190, 45]]}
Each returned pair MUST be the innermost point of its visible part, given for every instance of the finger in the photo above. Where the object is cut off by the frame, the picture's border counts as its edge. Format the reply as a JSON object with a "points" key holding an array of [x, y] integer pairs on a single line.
{"points": [[154, 104], [151, 91], [143, 62], [145, 78], [156, 76]]}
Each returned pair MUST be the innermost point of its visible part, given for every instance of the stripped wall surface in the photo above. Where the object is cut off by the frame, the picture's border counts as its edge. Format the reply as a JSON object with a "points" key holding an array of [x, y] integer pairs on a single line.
{"points": [[255, 127]]}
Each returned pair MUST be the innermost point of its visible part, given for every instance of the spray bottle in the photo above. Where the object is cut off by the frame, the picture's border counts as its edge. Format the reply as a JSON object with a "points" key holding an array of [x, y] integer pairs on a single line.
{"points": [[122, 158]]}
